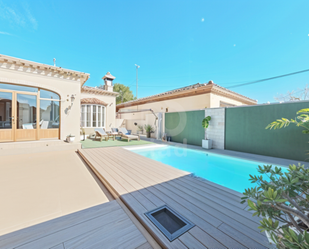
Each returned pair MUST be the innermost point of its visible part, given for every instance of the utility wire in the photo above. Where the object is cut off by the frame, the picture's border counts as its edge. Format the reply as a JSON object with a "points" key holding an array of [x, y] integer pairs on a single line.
{"points": [[271, 78], [246, 83]]}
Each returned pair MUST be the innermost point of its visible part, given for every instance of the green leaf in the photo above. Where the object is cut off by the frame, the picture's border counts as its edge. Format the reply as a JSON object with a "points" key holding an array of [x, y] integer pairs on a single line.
{"points": [[251, 204], [293, 234], [282, 200], [306, 235]]}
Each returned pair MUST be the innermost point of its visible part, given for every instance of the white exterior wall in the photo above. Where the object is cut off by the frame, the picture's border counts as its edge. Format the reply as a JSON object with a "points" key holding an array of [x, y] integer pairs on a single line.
{"points": [[110, 112], [69, 111], [216, 99], [216, 128], [197, 102]]}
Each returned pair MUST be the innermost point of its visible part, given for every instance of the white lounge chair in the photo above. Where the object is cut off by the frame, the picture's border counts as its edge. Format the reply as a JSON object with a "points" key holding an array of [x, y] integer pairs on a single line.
{"points": [[28, 126], [102, 134], [44, 124], [125, 134]]}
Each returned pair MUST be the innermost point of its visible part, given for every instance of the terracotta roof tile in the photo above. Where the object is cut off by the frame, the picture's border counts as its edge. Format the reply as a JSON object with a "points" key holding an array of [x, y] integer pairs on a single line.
{"points": [[93, 101], [212, 87]]}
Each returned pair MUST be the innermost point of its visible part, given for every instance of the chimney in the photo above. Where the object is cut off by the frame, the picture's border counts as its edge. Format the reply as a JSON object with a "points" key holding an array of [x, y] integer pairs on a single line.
{"points": [[108, 81]]}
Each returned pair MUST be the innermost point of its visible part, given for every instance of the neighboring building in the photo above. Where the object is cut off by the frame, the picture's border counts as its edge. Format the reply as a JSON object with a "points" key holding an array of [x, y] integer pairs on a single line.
{"points": [[193, 97], [39, 101]]}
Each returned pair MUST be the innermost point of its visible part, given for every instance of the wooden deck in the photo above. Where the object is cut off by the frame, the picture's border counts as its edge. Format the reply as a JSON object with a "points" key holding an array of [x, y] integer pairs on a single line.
{"points": [[102, 226], [144, 184]]}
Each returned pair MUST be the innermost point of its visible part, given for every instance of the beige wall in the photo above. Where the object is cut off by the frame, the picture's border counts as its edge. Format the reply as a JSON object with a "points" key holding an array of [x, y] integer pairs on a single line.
{"points": [[197, 102], [69, 112], [216, 99], [110, 114]]}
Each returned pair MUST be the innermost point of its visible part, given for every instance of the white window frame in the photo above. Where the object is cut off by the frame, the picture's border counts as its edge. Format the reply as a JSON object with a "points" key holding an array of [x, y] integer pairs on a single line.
{"points": [[103, 115]]}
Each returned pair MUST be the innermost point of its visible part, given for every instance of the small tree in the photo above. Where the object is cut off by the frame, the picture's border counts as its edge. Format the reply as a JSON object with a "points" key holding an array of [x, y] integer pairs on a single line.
{"points": [[302, 120], [149, 129], [282, 199], [205, 123], [125, 93], [140, 128], [300, 94]]}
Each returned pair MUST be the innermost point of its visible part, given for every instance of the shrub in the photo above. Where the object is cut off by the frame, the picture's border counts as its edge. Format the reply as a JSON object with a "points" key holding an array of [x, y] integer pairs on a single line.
{"points": [[282, 199]]}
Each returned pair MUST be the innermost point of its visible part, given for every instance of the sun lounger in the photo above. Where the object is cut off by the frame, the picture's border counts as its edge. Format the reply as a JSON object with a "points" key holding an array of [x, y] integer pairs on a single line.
{"points": [[125, 134], [99, 132]]}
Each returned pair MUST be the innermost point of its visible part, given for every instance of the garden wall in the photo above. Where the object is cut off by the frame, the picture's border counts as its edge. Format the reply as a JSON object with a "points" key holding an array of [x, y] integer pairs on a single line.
{"points": [[245, 131], [185, 127]]}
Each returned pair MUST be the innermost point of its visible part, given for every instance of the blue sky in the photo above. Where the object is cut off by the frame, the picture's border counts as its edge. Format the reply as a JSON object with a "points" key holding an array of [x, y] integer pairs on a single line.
{"points": [[176, 43]]}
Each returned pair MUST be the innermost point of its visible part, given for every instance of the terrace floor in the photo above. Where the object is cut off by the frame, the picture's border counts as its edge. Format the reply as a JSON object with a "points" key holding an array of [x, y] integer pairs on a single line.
{"points": [[91, 143], [102, 226], [36, 187], [144, 184]]}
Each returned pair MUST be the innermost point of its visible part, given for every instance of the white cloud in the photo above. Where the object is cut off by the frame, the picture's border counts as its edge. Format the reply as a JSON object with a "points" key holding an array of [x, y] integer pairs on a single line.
{"points": [[18, 16], [30, 17], [4, 33], [202, 20]]}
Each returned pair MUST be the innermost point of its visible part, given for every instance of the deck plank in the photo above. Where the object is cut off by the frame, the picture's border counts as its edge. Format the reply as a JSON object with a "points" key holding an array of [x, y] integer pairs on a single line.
{"points": [[144, 184], [32, 233], [232, 219], [103, 225], [78, 230], [168, 200], [126, 189]]}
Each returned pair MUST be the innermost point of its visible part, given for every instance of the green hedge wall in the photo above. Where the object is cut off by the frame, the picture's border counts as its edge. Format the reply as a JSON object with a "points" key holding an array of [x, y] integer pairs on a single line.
{"points": [[185, 126], [245, 131]]}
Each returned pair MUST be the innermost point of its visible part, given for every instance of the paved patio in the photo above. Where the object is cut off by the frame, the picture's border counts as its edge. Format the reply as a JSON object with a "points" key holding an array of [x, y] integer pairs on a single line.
{"points": [[37, 187]]}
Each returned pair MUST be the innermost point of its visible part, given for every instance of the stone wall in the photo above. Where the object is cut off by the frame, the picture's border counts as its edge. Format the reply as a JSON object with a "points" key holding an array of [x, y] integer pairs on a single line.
{"points": [[216, 128]]}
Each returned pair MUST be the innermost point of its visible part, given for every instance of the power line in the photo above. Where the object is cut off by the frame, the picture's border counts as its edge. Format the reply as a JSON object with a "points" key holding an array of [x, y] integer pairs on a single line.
{"points": [[246, 83], [271, 78]]}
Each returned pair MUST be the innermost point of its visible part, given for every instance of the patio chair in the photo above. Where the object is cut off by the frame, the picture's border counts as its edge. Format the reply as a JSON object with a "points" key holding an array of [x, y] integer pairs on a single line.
{"points": [[44, 124], [99, 132], [28, 126], [125, 134]]}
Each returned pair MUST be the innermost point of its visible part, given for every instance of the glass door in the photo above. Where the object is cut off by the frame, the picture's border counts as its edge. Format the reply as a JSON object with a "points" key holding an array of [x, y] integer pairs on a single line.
{"points": [[6, 116], [26, 117]]}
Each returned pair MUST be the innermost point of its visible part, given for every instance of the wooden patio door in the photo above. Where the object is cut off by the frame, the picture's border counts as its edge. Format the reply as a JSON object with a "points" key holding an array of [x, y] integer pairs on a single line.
{"points": [[26, 116], [19, 112], [7, 106]]}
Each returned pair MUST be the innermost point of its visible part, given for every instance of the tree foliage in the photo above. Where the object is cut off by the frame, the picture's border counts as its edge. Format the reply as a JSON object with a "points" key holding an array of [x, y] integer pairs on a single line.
{"points": [[282, 199], [125, 94], [301, 120]]}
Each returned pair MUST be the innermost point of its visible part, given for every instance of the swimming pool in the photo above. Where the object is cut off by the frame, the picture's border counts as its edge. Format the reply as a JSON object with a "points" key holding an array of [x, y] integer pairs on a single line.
{"points": [[227, 171]]}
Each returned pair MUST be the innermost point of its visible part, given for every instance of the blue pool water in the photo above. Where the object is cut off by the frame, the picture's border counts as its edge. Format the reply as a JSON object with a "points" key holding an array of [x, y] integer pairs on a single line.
{"points": [[227, 171]]}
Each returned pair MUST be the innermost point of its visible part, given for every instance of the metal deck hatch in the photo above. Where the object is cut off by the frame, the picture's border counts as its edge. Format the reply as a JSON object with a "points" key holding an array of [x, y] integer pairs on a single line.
{"points": [[169, 222]]}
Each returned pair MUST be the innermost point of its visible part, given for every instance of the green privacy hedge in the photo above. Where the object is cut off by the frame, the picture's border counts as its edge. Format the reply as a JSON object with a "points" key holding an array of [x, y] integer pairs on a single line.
{"points": [[245, 131], [185, 127]]}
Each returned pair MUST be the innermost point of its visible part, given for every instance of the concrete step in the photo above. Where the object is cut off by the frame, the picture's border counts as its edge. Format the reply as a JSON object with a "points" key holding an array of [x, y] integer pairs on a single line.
{"points": [[17, 148]]}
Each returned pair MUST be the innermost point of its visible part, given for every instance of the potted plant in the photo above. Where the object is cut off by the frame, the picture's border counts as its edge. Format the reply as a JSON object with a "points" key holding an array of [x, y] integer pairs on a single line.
{"points": [[149, 129], [70, 138], [140, 129], [206, 143]]}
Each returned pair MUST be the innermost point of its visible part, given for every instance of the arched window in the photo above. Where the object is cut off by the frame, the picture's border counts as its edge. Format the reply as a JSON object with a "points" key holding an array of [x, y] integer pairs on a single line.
{"points": [[28, 108], [49, 110]]}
